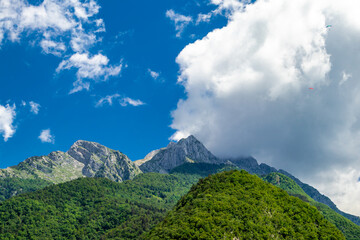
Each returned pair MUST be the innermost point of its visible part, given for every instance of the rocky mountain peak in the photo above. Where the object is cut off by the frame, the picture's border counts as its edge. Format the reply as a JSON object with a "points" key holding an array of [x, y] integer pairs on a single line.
{"points": [[83, 150], [189, 140], [83, 159], [175, 154]]}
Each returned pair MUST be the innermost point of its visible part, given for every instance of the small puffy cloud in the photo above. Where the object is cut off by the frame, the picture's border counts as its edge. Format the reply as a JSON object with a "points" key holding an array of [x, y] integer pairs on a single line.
{"points": [[89, 68], [46, 137], [128, 101], [34, 107], [153, 74], [108, 99], [180, 21], [345, 77], [248, 83], [7, 116]]}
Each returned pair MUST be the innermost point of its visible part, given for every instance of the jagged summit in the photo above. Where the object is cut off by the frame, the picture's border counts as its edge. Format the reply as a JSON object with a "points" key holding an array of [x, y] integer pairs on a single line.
{"points": [[83, 150], [186, 150], [83, 159]]}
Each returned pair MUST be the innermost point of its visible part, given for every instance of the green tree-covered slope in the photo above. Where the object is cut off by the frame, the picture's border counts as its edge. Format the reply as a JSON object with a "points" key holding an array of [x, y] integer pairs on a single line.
{"points": [[93, 208], [238, 205], [10, 187], [96, 208], [347, 227]]}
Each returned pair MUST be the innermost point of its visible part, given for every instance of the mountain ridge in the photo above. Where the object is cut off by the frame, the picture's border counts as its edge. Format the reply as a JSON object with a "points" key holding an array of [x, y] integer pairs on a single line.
{"points": [[175, 154], [91, 159], [248, 163], [83, 159]]}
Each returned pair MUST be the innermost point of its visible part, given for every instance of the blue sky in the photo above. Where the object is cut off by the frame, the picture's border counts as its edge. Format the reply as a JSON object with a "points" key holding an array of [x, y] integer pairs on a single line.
{"points": [[142, 39], [235, 73]]}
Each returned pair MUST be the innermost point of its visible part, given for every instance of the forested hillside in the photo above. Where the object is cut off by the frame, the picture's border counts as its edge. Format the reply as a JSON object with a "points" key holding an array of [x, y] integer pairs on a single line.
{"points": [[238, 205], [90, 208], [97, 208], [347, 227]]}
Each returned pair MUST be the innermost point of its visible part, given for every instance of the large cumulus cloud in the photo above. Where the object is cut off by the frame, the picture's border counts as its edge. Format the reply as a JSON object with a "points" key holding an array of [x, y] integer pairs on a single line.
{"points": [[248, 89]]}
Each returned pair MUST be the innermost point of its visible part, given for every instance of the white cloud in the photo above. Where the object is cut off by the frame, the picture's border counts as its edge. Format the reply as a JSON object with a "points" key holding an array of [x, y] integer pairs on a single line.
{"points": [[345, 77], [128, 101], [34, 107], [62, 28], [153, 74], [224, 7], [203, 18], [123, 101], [180, 21], [345, 188], [46, 137], [51, 20], [248, 86], [7, 116], [108, 99], [89, 67], [51, 47]]}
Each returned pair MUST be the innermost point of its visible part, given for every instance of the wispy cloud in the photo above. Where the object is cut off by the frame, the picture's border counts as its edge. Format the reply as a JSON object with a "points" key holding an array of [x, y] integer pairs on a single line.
{"points": [[34, 107], [133, 102], [224, 7], [180, 21], [108, 99], [7, 116], [123, 101], [89, 67], [46, 137]]}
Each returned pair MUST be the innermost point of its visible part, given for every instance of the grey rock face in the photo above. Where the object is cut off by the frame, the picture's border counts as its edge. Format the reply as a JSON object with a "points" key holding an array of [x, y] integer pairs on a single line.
{"points": [[175, 154], [148, 157], [84, 159], [101, 161]]}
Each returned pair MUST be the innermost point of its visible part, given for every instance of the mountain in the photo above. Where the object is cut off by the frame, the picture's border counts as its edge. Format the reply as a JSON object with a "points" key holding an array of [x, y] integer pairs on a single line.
{"points": [[190, 150], [97, 208], [83, 159], [251, 165], [93, 208], [100, 161], [347, 227], [90, 159], [317, 196], [175, 154], [148, 157], [238, 205]]}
